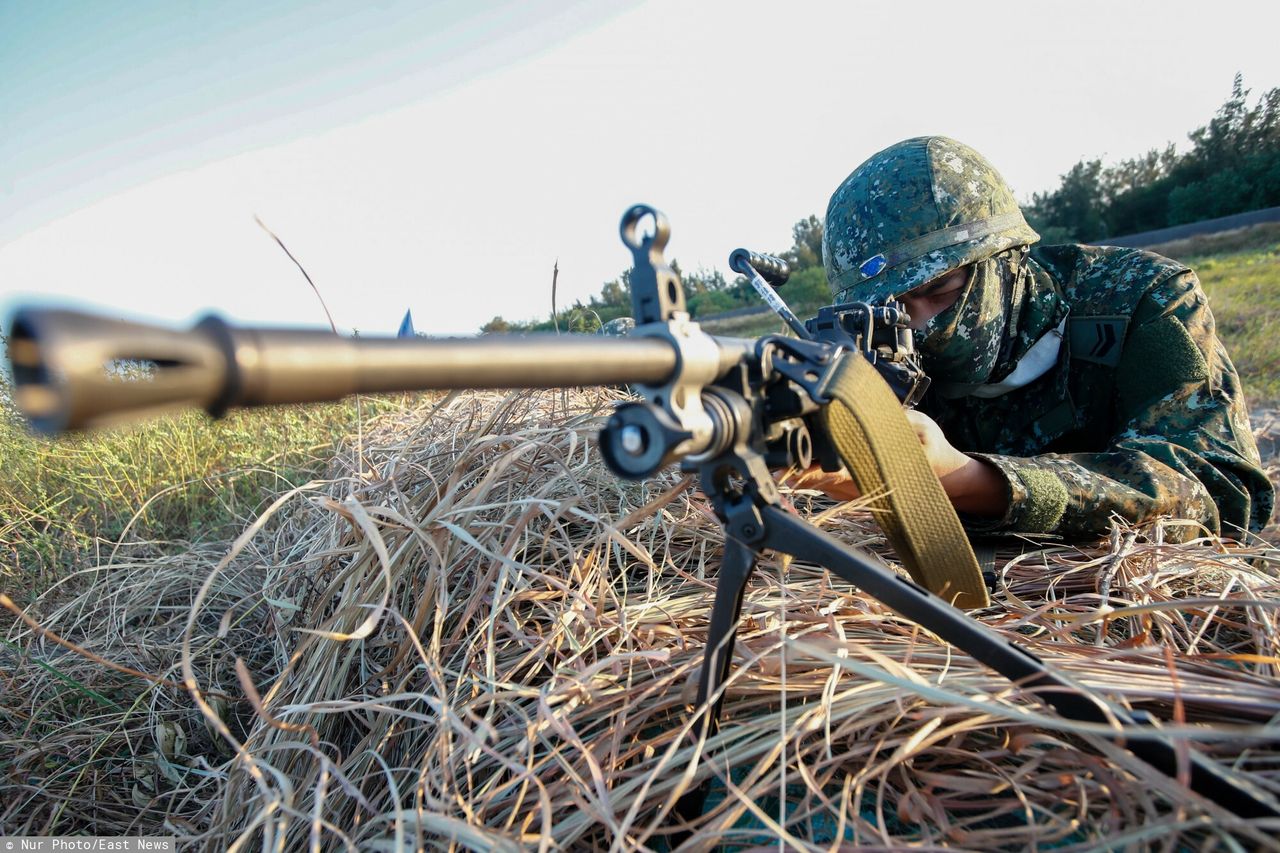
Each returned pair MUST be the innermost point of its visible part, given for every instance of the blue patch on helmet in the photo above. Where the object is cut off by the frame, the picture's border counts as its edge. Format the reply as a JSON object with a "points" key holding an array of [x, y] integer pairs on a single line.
{"points": [[871, 266]]}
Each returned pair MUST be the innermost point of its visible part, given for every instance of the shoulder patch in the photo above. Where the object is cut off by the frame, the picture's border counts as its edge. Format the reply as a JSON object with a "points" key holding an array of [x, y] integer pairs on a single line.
{"points": [[1099, 340], [1161, 358]]}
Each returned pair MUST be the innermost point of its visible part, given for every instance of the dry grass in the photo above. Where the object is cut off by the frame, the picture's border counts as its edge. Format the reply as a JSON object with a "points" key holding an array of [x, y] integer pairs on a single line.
{"points": [[487, 639]]}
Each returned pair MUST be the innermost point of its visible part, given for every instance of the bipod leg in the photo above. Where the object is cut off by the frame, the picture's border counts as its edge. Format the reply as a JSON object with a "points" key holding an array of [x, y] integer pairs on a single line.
{"points": [[735, 568], [791, 535]]}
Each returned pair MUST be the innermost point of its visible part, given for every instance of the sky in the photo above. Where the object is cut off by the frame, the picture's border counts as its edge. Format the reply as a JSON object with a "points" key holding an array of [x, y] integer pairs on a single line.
{"points": [[443, 156]]}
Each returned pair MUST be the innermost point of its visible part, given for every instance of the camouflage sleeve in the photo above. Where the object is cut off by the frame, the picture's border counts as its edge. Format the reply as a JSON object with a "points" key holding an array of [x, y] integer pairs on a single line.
{"points": [[1182, 446]]}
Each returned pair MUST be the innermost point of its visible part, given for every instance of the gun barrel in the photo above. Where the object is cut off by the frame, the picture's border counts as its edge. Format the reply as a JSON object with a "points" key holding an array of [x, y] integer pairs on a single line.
{"points": [[74, 370]]}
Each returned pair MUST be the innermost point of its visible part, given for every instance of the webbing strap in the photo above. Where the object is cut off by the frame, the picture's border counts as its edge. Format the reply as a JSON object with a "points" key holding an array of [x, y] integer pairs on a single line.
{"points": [[879, 447]]}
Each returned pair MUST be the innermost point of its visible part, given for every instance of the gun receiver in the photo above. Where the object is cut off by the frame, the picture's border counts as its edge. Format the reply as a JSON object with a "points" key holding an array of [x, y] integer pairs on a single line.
{"points": [[881, 334]]}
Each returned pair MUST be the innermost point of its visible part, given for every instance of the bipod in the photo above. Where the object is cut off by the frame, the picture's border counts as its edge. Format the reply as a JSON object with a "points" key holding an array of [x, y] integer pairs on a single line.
{"points": [[753, 523]]}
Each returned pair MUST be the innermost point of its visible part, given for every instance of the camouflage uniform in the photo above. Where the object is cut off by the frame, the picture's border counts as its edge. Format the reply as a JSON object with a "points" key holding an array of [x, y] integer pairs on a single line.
{"points": [[1139, 412], [1142, 416]]}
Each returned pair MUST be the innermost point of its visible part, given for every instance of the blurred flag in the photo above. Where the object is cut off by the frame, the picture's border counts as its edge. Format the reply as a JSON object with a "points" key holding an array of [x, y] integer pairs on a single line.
{"points": [[406, 326]]}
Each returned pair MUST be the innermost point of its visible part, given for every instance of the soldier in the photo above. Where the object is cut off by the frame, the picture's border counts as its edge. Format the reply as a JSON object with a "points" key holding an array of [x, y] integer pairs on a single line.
{"points": [[1071, 384], [620, 327]]}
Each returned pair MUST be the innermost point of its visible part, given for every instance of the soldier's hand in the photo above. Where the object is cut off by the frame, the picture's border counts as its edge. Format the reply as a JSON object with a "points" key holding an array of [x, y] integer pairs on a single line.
{"points": [[943, 458], [973, 485], [834, 484]]}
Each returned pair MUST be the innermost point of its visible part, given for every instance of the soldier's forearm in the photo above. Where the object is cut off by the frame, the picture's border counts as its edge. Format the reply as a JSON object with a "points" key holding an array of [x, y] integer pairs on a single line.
{"points": [[1079, 494], [978, 489]]}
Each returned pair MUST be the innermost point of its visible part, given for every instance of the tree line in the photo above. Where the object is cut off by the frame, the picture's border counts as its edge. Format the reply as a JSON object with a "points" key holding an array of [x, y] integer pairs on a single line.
{"points": [[705, 291], [1231, 166]]}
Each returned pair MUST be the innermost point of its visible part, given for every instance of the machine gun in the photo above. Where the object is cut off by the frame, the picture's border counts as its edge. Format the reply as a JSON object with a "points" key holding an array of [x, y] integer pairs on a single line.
{"points": [[730, 410]]}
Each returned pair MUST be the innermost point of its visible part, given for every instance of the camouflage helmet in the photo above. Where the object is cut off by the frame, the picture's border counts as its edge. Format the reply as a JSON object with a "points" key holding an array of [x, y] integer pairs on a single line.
{"points": [[913, 212]]}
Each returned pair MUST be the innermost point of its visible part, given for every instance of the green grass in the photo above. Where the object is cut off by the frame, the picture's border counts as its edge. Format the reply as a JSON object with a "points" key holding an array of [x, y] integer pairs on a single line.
{"points": [[182, 478], [1240, 271]]}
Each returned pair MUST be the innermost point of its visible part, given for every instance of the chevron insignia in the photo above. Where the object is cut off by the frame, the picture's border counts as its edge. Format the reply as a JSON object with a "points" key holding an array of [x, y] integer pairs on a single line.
{"points": [[1097, 339]]}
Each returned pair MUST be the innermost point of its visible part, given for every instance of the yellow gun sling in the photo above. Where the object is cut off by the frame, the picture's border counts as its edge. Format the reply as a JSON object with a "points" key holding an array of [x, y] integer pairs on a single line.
{"points": [[877, 444]]}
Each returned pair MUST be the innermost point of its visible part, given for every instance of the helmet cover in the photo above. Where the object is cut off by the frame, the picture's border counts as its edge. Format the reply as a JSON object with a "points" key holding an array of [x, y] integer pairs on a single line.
{"points": [[913, 212]]}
